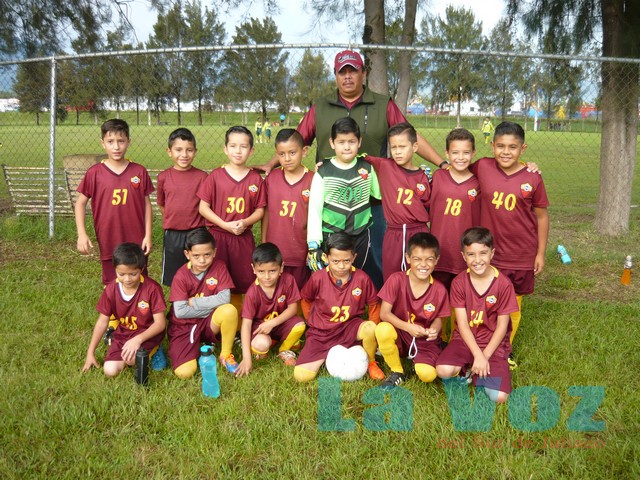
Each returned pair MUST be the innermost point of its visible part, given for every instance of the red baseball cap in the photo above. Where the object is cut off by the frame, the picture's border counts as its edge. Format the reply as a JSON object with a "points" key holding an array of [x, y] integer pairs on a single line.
{"points": [[348, 57]]}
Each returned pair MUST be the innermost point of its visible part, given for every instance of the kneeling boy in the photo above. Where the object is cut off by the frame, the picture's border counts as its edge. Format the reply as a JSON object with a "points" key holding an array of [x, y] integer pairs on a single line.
{"points": [[200, 309], [483, 299], [333, 301], [413, 305], [137, 303], [270, 310]]}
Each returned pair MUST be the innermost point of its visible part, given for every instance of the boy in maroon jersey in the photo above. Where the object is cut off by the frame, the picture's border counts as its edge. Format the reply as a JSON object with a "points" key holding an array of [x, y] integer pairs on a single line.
{"points": [[270, 310], [454, 206], [232, 199], [137, 303], [405, 196], [119, 190], [285, 218], [177, 200], [483, 299], [413, 305], [200, 308], [514, 208], [333, 302]]}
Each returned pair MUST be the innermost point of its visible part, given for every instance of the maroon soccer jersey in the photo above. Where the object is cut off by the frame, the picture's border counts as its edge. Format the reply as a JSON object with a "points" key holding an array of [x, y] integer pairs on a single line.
{"points": [[117, 204], [177, 194], [136, 314], [405, 193], [483, 309], [507, 211], [454, 207], [260, 308], [288, 208], [230, 199], [422, 310], [186, 285], [333, 305]]}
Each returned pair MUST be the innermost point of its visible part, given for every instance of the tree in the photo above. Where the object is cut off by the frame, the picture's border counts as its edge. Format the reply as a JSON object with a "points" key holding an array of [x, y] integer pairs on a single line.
{"points": [[256, 75], [460, 75], [312, 79], [32, 87], [618, 21]]}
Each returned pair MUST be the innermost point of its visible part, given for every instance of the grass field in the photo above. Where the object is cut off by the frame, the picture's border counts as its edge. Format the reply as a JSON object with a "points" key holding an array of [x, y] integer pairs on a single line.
{"points": [[580, 328]]}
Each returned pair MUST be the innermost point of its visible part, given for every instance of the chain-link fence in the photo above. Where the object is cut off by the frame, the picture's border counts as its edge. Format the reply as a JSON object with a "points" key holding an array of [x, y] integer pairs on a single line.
{"points": [[557, 99]]}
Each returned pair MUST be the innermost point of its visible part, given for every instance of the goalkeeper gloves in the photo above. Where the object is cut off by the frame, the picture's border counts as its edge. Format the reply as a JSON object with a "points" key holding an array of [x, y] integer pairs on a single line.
{"points": [[316, 258]]}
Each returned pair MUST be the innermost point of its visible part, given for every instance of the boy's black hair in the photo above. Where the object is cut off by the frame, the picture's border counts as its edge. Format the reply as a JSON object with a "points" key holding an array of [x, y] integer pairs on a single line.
{"points": [[460, 134], [129, 254], [239, 129], [199, 236], [287, 134], [406, 128], [479, 235], [345, 125], [509, 128], [266, 253], [339, 241], [182, 134], [115, 125], [423, 240]]}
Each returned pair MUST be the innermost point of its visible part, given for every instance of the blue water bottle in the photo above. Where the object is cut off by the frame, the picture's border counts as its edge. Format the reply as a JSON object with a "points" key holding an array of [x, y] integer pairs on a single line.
{"points": [[564, 255], [209, 371]]}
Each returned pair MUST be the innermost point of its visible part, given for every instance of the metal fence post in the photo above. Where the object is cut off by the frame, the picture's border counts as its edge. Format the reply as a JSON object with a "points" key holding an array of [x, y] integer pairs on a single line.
{"points": [[52, 148]]}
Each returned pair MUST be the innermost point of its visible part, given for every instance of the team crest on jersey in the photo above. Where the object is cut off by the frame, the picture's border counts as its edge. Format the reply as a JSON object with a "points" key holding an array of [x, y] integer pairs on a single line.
{"points": [[212, 283], [491, 300], [305, 195], [420, 189], [472, 194], [526, 189], [363, 173], [282, 298], [429, 309], [143, 306], [253, 189], [135, 181], [356, 292]]}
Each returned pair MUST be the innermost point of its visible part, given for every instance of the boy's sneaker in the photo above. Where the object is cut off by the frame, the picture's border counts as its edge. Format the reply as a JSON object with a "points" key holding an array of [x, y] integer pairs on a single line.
{"points": [[393, 380], [288, 357], [159, 361], [465, 378], [512, 362], [108, 336], [229, 363], [375, 373]]}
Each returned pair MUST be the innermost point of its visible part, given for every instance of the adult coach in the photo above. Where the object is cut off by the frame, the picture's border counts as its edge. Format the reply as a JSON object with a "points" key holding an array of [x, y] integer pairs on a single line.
{"points": [[374, 113]]}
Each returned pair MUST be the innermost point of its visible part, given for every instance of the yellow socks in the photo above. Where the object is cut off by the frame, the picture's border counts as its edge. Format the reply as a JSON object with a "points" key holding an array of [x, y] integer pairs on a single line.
{"points": [[386, 336], [367, 334], [515, 318], [294, 335], [226, 317]]}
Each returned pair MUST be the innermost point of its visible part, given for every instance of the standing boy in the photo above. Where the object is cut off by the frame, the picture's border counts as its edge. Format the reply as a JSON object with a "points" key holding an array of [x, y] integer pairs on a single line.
{"points": [[339, 200], [270, 310], [285, 218], [405, 196], [137, 303], [334, 301], [482, 298], [200, 309], [514, 208], [413, 305], [487, 128], [119, 190], [178, 202], [232, 199]]}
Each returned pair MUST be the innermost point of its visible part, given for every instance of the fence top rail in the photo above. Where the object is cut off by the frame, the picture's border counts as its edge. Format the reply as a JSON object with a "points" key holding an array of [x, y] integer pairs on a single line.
{"points": [[411, 48]]}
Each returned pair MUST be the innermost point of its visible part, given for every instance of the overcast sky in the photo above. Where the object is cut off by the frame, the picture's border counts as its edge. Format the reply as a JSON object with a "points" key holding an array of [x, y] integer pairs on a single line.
{"points": [[296, 25]]}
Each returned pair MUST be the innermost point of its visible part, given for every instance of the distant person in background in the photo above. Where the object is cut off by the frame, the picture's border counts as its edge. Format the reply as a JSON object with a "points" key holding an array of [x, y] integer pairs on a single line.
{"points": [[258, 130], [267, 131], [487, 129]]}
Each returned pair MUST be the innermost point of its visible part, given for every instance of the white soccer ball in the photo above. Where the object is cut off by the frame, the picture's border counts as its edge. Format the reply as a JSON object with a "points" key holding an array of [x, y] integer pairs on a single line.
{"points": [[347, 364]]}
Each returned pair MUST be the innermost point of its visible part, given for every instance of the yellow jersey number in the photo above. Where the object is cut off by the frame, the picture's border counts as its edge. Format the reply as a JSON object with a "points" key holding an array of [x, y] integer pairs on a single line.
{"points": [[476, 318], [288, 208], [235, 205], [119, 196], [340, 314], [508, 201], [453, 207], [407, 193], [129, 322]]}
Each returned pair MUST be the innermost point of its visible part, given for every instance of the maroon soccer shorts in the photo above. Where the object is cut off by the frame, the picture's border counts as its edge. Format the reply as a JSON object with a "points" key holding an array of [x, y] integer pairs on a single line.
{"points": [[121, 336], [185, 339], [235, 251], [300, 274], [394, 246], [318, 343], [280, 332], [424, 351], [523, 280]]}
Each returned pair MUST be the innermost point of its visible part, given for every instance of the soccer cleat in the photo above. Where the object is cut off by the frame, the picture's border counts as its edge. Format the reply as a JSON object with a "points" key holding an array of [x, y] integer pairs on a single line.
{"points": [[512, 362], [375, 373], [159, 361], [466, 378], [229, 363], [288, 357], [394, 379], [108, 336]]}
